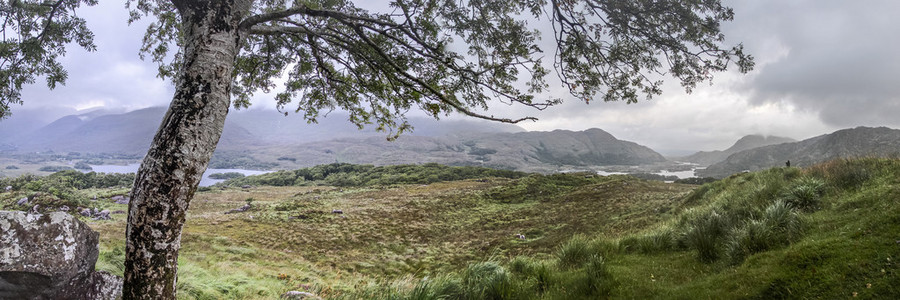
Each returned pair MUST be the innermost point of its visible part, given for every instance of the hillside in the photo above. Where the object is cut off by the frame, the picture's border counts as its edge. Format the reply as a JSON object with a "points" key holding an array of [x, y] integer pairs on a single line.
{"points": [[855, 142], [826, 231], [131, 132], [524, 151], [706, 158], [259, 139]]}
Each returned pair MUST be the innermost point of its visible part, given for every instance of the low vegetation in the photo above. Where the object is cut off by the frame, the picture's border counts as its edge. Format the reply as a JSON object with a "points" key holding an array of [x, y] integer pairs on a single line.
{"points": [[226, 175], [342, 174], [68, 188], [827, 231]]}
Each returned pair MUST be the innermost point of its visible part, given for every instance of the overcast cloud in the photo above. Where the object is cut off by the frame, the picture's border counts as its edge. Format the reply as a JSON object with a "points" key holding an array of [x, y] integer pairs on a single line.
{"points": [[822, 65]]}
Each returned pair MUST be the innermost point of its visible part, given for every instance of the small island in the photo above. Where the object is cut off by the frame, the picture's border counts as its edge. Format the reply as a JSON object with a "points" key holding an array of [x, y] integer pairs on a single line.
{"points": [[226, 175]]}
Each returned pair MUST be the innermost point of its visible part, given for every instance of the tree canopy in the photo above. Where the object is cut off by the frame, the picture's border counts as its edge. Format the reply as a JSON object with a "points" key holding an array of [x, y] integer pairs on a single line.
{"points": [[458, 56], [440, 56], [34, 35]]}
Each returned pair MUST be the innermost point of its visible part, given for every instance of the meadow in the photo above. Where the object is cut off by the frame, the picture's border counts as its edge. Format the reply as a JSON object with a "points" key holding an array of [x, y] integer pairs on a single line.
{"points": [[827, 231]]}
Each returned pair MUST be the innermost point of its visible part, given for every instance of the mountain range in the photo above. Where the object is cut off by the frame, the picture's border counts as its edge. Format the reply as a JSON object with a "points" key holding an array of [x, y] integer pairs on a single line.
{"points": [[268, 139], [261, 139], [846, 143], [706, 158]]}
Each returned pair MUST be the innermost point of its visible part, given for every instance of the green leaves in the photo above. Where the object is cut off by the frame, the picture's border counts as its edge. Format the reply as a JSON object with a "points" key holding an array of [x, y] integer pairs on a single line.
{"points": [[446, 57], [35, 34]]}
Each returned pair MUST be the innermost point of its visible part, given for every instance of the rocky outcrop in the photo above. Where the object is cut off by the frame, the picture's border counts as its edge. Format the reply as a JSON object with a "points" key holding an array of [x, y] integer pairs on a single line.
{"points": [[51, 256]]}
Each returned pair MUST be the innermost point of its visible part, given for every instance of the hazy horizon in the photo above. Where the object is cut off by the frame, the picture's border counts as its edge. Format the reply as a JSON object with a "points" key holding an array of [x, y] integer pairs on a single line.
{"points": [[821, 66]]}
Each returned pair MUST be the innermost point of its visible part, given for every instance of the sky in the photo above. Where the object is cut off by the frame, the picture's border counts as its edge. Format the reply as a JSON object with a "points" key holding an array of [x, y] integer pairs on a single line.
{"points": [[821, 66]]}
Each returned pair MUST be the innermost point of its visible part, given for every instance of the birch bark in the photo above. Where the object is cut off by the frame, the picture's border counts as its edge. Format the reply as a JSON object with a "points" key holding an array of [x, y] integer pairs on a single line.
{"points": [[182, 147]]}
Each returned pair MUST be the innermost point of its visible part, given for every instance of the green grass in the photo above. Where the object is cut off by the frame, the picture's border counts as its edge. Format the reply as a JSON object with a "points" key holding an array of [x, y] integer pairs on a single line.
{"points": [[827, 231], [824, 232]]}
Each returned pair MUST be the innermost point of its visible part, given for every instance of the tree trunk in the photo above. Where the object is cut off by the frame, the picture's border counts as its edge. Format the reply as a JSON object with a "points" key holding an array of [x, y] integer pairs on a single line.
{"points": [[182, 147]]}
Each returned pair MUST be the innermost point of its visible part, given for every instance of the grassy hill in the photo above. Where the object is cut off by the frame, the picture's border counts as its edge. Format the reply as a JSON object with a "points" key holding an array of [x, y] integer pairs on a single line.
{"points": [[826, 231]]}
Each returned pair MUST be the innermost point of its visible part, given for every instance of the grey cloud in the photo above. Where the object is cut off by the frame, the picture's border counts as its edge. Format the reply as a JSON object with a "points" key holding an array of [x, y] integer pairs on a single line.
{"points": [[113, 76], [840, 57]]}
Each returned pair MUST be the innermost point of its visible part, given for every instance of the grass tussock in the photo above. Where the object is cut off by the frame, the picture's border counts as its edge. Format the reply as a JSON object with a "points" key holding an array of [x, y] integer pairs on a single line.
{"points": [[826, 231], [752, 234]]}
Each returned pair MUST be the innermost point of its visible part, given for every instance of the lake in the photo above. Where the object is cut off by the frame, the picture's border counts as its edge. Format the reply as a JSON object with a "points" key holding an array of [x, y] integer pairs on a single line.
{"points": [[206, 181], [679, 174]]}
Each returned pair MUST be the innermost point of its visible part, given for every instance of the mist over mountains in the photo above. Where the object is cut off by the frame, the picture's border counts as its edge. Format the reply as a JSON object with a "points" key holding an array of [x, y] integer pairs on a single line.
{"points": [[706, 158], [268, 139], [264, 139], [846, 143], [131, 132]]}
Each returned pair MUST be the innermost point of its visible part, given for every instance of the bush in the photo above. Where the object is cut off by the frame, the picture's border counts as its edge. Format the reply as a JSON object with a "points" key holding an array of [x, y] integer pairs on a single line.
{"points": [[843, 173], [651, 176], [696, 180], [705, 233], [805, 193], [782, 217], [226, 175], [82, 166], [574, 252], [597, 281], [340, 174], [486, 280], [779, 225], [54, 168], [535, 275], [660, 241]]}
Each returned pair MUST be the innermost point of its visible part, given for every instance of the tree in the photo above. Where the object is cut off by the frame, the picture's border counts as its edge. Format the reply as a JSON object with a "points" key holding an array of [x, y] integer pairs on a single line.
{"points": [[439, 56], [34, 35]]}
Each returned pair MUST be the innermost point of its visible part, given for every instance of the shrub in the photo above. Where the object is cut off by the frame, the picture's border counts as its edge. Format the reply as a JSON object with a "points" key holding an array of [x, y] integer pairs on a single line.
{"points": [[662, 240], [53, 168], [778, 226], [805, 194], [705, 233], [486, 280], [535, 275], [784, 219], [597, 281], [82, 166], [755, 236], [696, 180], [843, 173], [226, 175], [574, 252]]}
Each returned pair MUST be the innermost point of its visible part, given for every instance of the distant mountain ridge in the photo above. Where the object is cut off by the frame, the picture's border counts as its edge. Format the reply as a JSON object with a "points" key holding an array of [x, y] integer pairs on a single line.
{"points": [[131, 132], [268, 139], [747, 142], [524, 151], [854, 142]]}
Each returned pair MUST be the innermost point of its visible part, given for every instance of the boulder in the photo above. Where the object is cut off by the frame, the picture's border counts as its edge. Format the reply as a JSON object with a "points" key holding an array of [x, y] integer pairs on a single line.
{"points": [[102, 215], [120, 199], [51, 256], [244, 208], [299, 295], [23, 201]]}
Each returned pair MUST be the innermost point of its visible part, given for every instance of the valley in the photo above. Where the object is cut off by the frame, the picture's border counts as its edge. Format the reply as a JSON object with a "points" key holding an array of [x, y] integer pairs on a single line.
{"points": [[559, 236]]}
